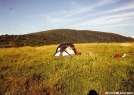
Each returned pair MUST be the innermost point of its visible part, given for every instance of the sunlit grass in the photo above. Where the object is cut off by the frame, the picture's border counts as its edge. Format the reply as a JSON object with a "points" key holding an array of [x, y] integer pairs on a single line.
{"points": [[34, 70]]}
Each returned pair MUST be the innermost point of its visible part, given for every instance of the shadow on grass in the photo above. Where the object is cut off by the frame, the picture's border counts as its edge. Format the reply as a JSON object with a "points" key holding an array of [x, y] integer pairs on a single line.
{"points": [[92, 92]]}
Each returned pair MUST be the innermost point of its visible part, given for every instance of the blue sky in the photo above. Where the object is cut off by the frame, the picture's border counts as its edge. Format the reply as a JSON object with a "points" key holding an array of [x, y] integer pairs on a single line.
{"points": [[27, 16]]}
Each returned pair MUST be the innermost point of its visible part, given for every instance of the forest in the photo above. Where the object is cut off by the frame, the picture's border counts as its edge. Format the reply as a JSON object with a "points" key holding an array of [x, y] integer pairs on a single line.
{"points": [[58, 36]]}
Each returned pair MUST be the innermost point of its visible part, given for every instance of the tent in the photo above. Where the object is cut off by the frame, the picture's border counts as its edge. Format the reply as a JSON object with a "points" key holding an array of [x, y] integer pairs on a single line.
{"points": [[66, 49]]}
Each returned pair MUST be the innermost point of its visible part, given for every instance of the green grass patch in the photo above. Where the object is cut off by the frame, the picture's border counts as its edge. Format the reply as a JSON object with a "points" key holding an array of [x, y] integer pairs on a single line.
{"points": [[34, 70]]}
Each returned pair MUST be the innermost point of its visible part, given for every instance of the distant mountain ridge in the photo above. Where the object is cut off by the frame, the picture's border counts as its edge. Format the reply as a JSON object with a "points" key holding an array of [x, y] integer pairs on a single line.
{"points": [[58, 36]]}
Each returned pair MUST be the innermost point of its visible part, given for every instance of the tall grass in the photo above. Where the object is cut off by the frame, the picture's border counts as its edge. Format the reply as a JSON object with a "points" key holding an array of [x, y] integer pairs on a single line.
{"points": [[34, 70]]}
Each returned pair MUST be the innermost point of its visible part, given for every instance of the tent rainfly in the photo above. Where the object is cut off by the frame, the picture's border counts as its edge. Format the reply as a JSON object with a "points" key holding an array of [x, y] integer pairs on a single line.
{"points": [[66, 49]]}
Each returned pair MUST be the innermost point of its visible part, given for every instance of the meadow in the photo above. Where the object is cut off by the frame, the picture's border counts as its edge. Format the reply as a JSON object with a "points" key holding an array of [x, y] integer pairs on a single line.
{"points": [[35, 71]]}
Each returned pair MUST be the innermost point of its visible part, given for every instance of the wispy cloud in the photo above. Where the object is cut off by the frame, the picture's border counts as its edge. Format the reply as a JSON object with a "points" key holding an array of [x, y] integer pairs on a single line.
{"points": [[80, 16], [116, 19], [84, 8], [114, 15], [78, 9], [120, 9]]}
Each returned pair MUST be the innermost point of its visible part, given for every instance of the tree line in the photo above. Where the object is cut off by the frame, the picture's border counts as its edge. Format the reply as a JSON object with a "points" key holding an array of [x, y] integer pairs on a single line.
{"points": [[58, 36]]}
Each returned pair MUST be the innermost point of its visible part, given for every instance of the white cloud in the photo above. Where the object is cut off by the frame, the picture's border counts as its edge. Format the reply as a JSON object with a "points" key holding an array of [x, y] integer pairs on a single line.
{"points": [[77, 9], [115, 19], [133, 36], [105, 2], [118, 17], [123, 8]]}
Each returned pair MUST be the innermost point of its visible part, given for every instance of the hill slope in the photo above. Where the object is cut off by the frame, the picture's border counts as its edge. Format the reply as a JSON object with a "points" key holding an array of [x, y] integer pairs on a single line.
{"points": [[60, 35]]}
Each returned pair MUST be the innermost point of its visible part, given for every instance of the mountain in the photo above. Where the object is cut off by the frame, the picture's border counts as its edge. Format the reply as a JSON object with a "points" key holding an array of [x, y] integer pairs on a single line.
{"points": [[58, 36]]}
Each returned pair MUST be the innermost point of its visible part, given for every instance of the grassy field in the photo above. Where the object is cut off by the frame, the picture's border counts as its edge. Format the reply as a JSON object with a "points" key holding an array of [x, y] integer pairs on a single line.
{"points": [[34, 70]]}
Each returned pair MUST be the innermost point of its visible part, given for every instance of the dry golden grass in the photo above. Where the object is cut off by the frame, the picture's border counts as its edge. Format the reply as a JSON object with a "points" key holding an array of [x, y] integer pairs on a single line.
{"points": [[34, 70]]}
